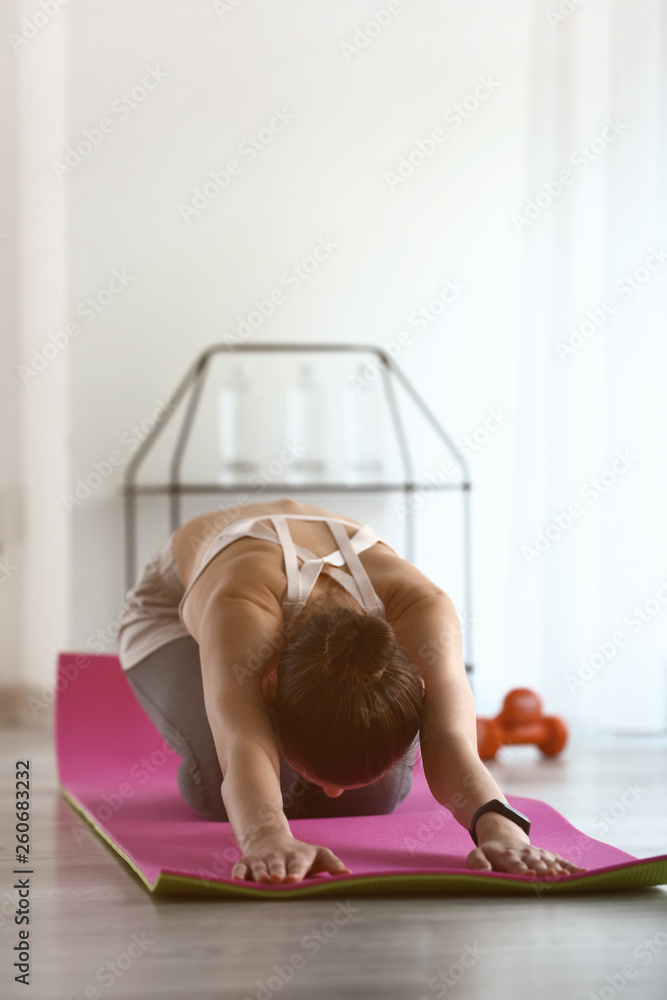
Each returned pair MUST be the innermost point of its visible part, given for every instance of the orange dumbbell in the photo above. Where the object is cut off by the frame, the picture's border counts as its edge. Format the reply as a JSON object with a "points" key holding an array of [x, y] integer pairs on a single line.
{"points": [[521, 721]]}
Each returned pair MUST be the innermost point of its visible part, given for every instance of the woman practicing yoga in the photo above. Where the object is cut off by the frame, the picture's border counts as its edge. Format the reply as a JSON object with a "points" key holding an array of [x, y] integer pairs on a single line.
{"points": [[309, 686]]}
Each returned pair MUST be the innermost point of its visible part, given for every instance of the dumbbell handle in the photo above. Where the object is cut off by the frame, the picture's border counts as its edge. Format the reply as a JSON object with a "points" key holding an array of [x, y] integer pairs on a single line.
{"points": [[531, 732]]}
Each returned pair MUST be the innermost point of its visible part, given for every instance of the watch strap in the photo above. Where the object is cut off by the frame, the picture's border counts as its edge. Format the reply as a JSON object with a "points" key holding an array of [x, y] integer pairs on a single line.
{"points": [[495, 805]]}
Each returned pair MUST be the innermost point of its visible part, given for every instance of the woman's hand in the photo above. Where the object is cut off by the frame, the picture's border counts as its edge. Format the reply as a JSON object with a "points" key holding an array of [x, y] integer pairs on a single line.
{"points": [[281, 858], [504, 854], [504, 847]]}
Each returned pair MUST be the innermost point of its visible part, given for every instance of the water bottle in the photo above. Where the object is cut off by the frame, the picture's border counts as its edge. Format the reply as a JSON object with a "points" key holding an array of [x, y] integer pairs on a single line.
{"points": [[237, 420], [365, 426], [306, 427]]}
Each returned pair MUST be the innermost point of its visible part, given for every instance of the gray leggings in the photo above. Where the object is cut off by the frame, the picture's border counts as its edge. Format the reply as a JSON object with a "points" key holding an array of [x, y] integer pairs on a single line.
{"points": [[168, 685]]}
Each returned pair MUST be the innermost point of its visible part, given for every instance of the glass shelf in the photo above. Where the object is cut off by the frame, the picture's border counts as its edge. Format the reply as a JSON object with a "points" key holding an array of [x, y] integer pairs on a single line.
{"points": [[189, 391]]}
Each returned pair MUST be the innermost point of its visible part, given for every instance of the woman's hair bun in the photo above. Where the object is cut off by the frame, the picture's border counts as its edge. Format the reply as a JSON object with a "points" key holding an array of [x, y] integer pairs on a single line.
{"points": [[359, 647]]}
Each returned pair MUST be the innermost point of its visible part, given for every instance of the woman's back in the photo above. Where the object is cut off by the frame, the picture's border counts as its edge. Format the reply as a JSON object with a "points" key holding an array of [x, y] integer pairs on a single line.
{"points": [[282, 570], [252, 566]]}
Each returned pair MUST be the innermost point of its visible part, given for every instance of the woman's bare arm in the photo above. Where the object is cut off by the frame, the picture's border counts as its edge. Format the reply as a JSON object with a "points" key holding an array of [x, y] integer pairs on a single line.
{"points": [[430, 631], [232, 630]]}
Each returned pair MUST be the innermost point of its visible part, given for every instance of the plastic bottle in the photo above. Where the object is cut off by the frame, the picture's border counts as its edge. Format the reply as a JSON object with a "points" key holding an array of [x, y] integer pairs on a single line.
{"points": [[237, 422], [365, 427], [306, 427]]}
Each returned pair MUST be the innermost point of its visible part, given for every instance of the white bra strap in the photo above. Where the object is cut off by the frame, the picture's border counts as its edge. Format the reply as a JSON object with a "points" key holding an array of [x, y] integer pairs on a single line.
{"points": [[370, 599], [299, 582], [289, 554], [252, 527]]}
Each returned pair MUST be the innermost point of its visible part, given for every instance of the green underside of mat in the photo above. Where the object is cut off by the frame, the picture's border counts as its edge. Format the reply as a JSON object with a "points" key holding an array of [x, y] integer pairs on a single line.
{"points": [[641, 875], [446, 883], [105, 837]]}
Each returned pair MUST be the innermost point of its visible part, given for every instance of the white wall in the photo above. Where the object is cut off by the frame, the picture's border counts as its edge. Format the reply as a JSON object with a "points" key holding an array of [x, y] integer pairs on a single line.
{"points": [[324, 176], [35, 598], [9, 388]]}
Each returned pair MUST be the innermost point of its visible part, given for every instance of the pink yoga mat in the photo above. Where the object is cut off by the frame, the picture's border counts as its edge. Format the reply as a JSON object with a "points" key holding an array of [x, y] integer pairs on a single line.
{"points": [[116, 770]]}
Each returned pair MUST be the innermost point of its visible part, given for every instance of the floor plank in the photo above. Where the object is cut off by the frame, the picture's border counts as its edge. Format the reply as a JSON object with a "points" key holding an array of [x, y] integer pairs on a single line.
{"points": [[87, 904]]}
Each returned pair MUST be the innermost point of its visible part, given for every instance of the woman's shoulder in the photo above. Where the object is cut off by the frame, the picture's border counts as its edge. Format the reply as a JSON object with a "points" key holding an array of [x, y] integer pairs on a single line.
{"points": [[248, 568], [191, 540]]}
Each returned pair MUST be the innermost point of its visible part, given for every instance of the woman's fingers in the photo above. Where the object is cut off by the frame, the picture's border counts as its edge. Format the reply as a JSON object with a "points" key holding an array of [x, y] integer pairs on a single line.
{"points": [[507, 860], [540, 862], [528, 860], [478, 859], [275, 864], [303, 860], [297, 869], [555, 864], [569, 866], [251, 868], [298, 866], [240, 870], [514, 863], [259, 871], [326, 861], [291, 865]]}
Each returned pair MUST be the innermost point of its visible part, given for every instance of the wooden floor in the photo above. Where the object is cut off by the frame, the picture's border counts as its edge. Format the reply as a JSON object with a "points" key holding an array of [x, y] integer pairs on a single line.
{"points": [[87, 905]]}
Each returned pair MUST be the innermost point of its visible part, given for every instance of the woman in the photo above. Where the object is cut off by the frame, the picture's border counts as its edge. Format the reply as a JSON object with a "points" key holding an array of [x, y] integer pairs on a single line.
{"points": [[308, 687]]}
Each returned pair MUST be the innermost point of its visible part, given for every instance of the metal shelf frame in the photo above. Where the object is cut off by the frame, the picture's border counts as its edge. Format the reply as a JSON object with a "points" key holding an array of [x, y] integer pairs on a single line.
{"points": [[193, 383]]}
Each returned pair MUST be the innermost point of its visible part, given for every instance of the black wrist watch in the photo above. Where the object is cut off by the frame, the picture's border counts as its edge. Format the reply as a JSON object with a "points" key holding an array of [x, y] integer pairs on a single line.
{"points": [[495, 805]]}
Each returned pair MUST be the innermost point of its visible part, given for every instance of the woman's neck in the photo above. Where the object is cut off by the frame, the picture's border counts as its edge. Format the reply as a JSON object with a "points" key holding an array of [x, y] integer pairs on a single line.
{"points": [[327, 601]]}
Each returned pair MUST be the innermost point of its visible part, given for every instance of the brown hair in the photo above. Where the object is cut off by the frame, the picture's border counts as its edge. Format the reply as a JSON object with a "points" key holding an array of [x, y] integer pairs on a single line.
{"points": [[349, 700]]}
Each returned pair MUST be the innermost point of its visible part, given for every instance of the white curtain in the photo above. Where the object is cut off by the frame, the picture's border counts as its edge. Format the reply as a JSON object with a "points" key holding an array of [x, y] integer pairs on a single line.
{"points": [[589, 582]]}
